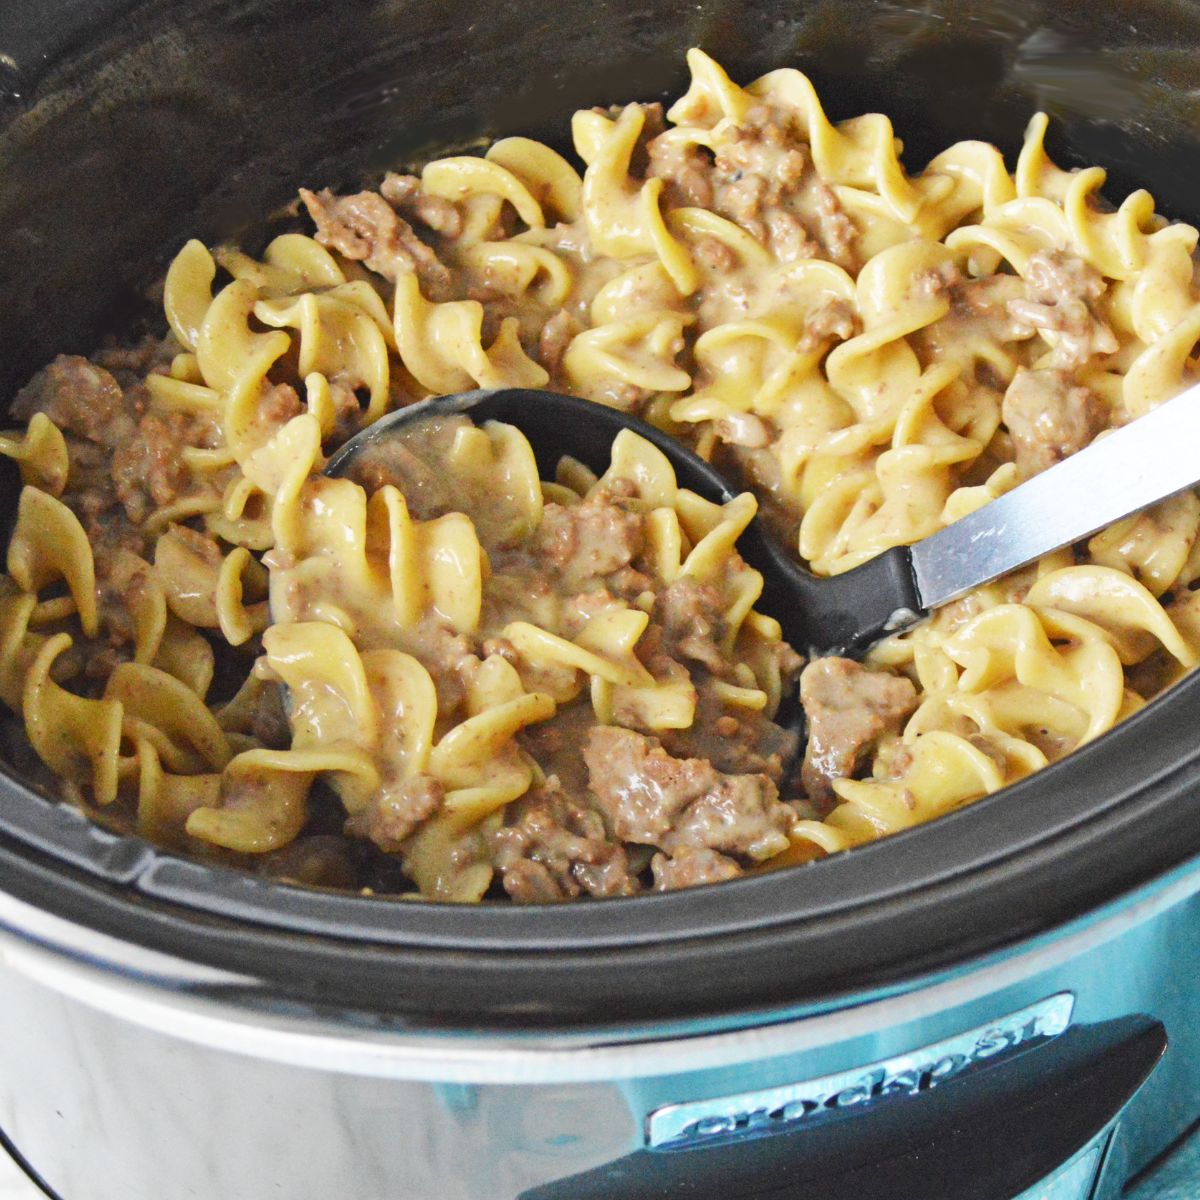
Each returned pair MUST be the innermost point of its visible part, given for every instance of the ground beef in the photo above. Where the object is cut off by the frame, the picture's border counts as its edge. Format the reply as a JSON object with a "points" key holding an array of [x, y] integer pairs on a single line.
{"points": [[404, 193], [685, 169], [714, 255], [365, 228], [121, 581], [589, 540], [837, 232], [280, 403], [555, 337], [347, 411], [933, 282], [692, 617], [90, 495], [788, 237], [834, 319], [748, 743], [743, 199], [654, 123], [650, 797], [1061, 290], [1049, 418], [848, 708], [740, 814], [89, 478], [81, 399], [987, 299], [1054, 275], [764, 146], [757, 170], [450, 659], [110, 532], [979, 319], [131, 364], [556, 744], [691, 866], [147, 469], [394, 813], [118, 451], [552, 848], [629, 583]]}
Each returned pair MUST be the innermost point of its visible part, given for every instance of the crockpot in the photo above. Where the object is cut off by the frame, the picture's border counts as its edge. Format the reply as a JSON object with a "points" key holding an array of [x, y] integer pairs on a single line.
{"points": [[1002, 1003]]}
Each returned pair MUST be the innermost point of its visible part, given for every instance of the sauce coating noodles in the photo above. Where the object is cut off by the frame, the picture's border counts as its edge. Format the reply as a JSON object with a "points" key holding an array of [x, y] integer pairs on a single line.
{"points": [[451, 676]]}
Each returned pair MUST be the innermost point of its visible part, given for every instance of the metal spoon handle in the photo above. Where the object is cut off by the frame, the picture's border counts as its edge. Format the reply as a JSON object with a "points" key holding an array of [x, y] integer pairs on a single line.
{"points": [[1127, 470], [1148, 460]]}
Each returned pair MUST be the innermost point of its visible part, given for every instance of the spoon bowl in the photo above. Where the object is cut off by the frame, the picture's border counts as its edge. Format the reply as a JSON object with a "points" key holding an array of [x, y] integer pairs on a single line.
{"points": [[842, 614]]}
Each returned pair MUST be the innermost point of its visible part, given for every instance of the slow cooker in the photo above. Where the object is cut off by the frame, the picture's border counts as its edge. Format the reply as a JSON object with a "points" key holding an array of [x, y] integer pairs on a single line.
{"points": [[1000, 1004]]}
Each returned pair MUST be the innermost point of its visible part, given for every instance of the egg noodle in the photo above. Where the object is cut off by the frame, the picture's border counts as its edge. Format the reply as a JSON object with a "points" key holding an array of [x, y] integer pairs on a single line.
{"points": [[873, 353]]}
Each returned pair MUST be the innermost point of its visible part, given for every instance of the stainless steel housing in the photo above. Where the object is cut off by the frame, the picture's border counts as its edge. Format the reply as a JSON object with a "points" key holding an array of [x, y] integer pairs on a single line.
{"points": [[134, 1075]]}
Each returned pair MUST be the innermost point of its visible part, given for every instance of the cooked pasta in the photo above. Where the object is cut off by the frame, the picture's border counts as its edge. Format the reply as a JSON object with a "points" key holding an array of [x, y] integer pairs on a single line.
{"points": [[447, 676]]}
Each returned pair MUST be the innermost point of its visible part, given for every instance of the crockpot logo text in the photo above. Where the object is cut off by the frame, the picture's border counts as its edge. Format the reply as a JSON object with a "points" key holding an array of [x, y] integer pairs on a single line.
{"points": [[676, 1126]]}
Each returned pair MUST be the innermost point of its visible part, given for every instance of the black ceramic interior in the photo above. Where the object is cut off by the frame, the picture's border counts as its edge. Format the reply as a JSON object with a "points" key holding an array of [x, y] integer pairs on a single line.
{"points": [[129, 125]]}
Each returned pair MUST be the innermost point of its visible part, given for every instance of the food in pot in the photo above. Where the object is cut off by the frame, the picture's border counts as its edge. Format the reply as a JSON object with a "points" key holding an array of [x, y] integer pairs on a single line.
{"points": [[448, 676], [562, 685]]}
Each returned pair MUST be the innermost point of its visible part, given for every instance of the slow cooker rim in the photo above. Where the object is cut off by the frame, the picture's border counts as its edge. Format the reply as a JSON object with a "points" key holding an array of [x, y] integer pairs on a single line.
{"points": [[745, 945], [1074, 852]]}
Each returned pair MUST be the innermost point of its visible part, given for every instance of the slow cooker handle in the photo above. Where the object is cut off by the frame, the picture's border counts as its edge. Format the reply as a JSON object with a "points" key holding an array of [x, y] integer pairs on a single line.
{"points": [[1041, 1123]]}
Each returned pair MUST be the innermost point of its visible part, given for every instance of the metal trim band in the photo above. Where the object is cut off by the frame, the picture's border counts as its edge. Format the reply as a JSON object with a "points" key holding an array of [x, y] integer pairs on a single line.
{"points": [[771, 1110]]}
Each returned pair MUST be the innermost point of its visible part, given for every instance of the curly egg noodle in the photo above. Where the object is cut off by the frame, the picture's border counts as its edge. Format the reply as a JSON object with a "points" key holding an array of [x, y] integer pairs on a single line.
{"points": [[874, 353]]}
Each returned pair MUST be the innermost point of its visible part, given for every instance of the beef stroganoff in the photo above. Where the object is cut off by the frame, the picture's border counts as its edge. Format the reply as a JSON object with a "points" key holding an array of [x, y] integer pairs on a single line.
{"points": [[486, 652], [445, 676]]}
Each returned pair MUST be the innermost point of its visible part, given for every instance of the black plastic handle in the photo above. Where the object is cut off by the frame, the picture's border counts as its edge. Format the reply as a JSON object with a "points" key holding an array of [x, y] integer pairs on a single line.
{"points": [[990, 1135], [845, 614]]}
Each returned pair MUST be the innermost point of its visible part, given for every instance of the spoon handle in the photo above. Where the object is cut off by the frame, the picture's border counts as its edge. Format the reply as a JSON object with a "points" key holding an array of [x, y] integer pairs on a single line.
{"points": [[1146, 461], [846, 613], [1121, 473]]}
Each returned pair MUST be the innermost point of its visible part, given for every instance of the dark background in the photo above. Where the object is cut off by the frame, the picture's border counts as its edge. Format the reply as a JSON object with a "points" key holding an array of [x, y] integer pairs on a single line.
{"points": [[128, 126]]}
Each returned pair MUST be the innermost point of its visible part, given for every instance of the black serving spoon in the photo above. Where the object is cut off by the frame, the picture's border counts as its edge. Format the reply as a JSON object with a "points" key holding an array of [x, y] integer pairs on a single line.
{"points": [[1119, 474]]}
